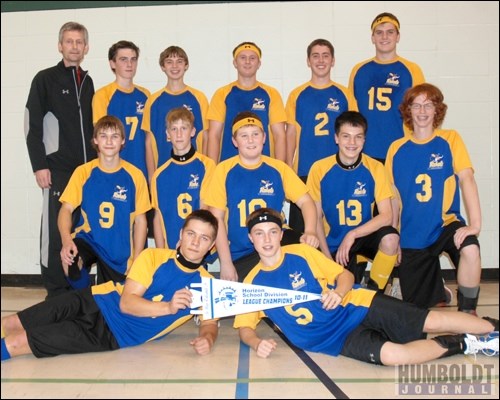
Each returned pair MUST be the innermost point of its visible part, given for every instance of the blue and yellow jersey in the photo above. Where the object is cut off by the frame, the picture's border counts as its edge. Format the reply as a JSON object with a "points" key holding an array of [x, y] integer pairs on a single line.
{"points": [[110, 201], [240, 189], [313, 110], [307, 325], [175, 192], [162, 275], [157, 108], [425, 176], [378, 88], [128, 107], [228, 101], [348, 196]]}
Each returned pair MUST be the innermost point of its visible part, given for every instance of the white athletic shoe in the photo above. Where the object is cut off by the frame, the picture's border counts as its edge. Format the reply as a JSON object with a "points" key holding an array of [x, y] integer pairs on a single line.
{"points": [[487, 344]]}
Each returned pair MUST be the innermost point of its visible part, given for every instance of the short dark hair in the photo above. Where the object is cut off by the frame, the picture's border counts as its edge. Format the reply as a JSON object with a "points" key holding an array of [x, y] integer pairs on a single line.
{"points": [[203, 216], [320, 42], [353, 118], [122, 44]]}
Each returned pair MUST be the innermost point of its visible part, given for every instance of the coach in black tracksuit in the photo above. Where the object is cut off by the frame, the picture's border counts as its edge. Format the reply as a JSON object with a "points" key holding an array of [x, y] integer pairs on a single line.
{"points": [[58, 128]]}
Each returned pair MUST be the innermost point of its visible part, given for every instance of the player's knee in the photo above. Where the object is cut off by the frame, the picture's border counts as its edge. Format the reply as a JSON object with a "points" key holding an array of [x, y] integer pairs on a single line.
{"points": [[389, 244]]}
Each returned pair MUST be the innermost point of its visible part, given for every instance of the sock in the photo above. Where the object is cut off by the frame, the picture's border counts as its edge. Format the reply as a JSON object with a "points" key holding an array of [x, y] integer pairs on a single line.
{"points": [[78, 279], [467, 298], [5, 352], [382, 267]]}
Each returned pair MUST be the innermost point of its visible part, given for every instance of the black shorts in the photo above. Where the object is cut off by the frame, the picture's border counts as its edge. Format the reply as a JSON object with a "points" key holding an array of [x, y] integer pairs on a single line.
{"points": [[104, 272], [420, 274], [70, 323], [388, 320], [366, 246]]}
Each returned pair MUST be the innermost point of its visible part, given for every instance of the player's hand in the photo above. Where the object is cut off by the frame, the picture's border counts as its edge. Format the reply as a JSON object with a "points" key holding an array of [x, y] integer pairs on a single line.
{"points": [[228, 273], [201, 345], [310, 238], [462, 233], [331, 299], [266, 347], [180, 300]]}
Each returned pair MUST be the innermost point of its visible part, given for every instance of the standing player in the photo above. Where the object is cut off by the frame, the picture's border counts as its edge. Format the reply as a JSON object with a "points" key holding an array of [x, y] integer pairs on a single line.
{"points": [[126, 101], [174, 63], [246, 94], [176, 185], [312, 109], [379, 84]]}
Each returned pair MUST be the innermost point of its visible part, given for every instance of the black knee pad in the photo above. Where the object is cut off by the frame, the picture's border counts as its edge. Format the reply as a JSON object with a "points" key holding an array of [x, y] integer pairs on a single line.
{"points": [[454, 343]]}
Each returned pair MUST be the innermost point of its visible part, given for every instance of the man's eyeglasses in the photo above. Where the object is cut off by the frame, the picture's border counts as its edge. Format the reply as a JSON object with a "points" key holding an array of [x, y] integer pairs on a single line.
{"points": [[418, 107]]}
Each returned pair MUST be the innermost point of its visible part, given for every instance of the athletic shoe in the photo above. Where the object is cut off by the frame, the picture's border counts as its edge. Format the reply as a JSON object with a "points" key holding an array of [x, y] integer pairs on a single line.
{"points": [[396, 289], [448, 293], [487, 344]]}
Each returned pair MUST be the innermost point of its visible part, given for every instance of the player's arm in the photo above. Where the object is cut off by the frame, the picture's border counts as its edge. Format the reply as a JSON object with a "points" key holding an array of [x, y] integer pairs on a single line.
{"points": [[263, 347], [291, 137], [472, 205], [214, 138], [279, 137], [132, 302], [207, 336], [160, 241], [308, 208], [140, 230], [227, 269], [65, 224], [320, 230]]}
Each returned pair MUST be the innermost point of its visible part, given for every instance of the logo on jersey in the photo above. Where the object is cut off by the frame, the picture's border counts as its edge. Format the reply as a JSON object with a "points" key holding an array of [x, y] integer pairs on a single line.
{"points": [[188, 107], [194, 183], [296, 280], [139, 107], [266, 187], [120, 193], [227, 297], [258, 104], [436, 161], [360, 189], [65, 91], [392, 79], [333, 105]]}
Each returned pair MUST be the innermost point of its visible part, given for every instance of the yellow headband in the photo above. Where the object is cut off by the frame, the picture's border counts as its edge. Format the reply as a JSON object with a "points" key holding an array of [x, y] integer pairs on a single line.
{"points": [[246, 121], [383, 20], [246, 46]]}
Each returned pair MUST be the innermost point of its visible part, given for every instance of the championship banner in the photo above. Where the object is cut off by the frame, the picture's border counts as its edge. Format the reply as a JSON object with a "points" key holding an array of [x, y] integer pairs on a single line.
{"points": [[219, 298]]}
